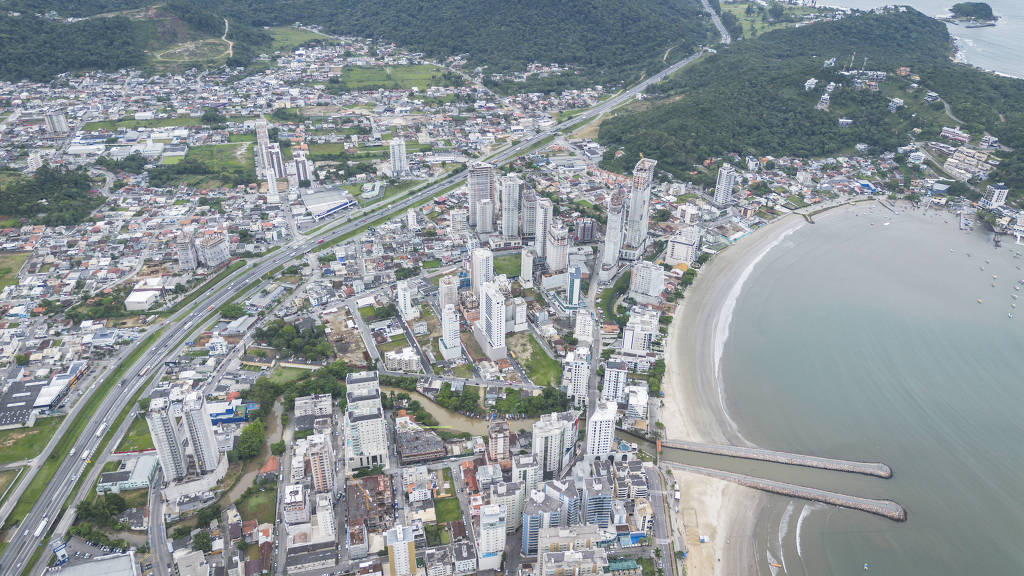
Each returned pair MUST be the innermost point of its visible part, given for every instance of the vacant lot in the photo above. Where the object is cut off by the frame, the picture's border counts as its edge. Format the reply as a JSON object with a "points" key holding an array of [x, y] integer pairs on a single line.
{"points": [[447, 509], [508, 265], [133, 123], [259, 506], [24, 443], [221, 156], [289, 37], [10, 263], [137, 437], [420, 76], [541, 368]]}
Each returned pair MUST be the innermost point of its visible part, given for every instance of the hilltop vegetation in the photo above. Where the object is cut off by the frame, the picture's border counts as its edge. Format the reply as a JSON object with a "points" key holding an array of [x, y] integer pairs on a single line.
{"points": [[173, 34], [53, 196], [750, 98], [972, 10], [605, 40]]}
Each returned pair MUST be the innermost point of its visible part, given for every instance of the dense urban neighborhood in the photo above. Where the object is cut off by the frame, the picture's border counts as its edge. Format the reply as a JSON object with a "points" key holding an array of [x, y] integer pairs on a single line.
{"points": [[355, 310]]}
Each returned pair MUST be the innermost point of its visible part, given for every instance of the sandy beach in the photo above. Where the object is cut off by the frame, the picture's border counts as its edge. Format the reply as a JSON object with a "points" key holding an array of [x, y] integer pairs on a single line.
{"points": [[694, 406]]}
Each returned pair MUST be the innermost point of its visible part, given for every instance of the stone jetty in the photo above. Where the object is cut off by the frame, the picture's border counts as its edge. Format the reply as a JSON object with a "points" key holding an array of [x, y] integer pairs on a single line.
{"points": [[867, 468]]}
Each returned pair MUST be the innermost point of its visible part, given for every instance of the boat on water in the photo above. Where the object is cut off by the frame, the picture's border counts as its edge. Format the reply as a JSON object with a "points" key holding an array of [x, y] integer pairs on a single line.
{"points": [[980, 25], [979, 300]]}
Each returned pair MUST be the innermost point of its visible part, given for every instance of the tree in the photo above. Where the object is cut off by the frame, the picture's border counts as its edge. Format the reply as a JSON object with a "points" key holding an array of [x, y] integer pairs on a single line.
{"points": [[277, 448], [21, 359], [201, 542], [232, 310], [250, 441], [213, 116]]}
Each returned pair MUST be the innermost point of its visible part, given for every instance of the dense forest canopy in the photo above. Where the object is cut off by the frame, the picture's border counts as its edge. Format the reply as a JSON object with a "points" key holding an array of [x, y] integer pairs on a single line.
{"points": [[750, 98], [54, 196], [606, 40], [977, 10]]}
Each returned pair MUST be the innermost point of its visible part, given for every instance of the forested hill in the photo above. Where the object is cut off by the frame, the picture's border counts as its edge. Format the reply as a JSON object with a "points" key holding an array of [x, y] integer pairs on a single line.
{"points": [[605, 39], [750, 98]]}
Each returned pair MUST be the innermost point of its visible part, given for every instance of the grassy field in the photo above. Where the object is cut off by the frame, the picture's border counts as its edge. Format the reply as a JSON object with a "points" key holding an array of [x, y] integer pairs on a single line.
{"points": [[221, 156], [396, 342], [447, 509], [260, 506], [756, 23], [289, 37], [24, 443], [391, 192], [508, 265], [133, 123], [420, 76], [463, 371], [6, 480], [10, 263], [137, 437], [541, 368], [287, 375], [171, 159]]}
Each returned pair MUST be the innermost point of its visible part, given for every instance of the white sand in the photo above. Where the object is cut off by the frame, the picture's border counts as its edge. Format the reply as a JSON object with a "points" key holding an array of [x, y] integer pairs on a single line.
{"points": [[694, 407]]}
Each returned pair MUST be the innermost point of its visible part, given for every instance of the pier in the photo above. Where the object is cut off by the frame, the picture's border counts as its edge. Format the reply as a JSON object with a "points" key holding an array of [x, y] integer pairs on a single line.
{"points": [[877, 469], [884, 508]]}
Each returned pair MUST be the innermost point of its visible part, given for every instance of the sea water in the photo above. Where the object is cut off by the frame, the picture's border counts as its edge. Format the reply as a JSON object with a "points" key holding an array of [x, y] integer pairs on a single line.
{"points": [[861, 337]]}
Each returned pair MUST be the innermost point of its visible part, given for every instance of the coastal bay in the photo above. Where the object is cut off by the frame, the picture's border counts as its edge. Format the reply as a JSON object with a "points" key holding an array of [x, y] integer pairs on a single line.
{"points": [[873, 347]]}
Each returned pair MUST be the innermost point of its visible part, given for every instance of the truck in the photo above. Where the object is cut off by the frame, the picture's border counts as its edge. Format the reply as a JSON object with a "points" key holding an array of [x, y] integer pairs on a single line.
{"points": [[99, 431], [42, 527]]}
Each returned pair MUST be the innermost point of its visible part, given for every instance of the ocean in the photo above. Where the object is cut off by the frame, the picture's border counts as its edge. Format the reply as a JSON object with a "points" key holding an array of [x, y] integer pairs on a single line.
{"points": [[861, 337], [1000, 48]]}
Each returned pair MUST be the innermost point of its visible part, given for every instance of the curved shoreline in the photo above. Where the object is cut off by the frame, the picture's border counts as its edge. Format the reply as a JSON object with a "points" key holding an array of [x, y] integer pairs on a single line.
{"points": [[695, 402]]}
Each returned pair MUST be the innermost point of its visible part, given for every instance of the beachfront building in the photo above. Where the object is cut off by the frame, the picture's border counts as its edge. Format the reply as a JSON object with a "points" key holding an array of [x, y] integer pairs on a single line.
{"points": [[683, 247], [995, 195], [723, 187], [615, 378], [646, 282]]}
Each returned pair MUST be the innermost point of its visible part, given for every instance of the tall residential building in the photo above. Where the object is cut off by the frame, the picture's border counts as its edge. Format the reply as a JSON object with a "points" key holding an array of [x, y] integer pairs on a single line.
{"points": [[167, 438], [214, 250], [399, 160], [574, 287], [724, 185], [511, 496], [683, 247], [995, 195], [490, 328], [640, 331], [529, 213], [304, 167], [557, 250], [526, 469], [321, 462], [187, 259], [601, 430], [647, 282], [481, 186], [597, 501], [614, 230], [448, 292], [576, 376], [554, 441], [458, 222], [296, 504], [543, 219], [485, 211], [541, 510], [638, 217], [491, 537], [526, 268], [200, 432], [510, 200], [366, 441], [557, 545], [403, 294], [276, 161], [498, 435], [401, 551], [262, 147], [450, 344], [481, 269], [615, 378]]}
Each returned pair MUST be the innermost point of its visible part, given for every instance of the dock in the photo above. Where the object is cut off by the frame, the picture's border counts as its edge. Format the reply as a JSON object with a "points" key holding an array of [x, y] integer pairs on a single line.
{"points": [[885, 508], [877, 469]]}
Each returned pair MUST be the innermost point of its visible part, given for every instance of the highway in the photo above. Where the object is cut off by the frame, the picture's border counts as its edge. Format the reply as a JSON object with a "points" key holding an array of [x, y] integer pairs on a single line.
{"points": [[191, 320]]}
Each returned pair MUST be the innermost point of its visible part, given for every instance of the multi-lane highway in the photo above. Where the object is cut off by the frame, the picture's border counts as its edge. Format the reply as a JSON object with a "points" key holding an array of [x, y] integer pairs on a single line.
{"points": [[190, 320]]}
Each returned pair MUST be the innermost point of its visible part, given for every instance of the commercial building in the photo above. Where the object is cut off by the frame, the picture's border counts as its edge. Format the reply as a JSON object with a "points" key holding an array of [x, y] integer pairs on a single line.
{"points": [[132, 474], [213, 250]]}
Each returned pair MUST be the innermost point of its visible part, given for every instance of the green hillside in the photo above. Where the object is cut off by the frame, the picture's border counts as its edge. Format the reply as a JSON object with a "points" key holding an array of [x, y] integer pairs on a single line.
{"points": [[606, 40], [750, 98]]}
